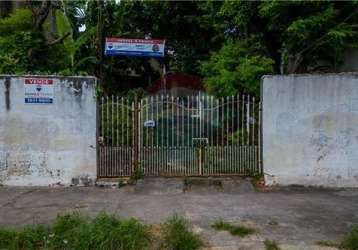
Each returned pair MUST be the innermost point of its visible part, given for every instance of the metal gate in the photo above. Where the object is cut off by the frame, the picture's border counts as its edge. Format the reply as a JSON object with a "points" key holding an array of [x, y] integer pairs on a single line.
{"points": [[179, 136]]}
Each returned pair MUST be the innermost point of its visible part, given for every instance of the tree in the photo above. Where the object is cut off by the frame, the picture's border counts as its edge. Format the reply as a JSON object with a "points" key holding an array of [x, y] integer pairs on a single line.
{"points": [[295, 37], [313, 35], [230, 44], [236, 67], [24, 50], [174, 21]]}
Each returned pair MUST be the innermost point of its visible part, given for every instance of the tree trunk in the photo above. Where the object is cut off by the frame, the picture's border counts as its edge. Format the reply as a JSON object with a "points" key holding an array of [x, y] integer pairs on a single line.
{"points": [[294, 63]]}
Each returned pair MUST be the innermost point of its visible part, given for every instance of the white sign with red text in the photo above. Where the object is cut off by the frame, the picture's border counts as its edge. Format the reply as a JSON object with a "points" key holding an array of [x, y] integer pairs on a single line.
{"points": [[39, 90]]}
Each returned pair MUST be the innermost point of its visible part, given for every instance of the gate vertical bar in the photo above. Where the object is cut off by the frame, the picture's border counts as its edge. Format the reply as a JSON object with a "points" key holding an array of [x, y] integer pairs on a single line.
{"points": [[243, 140], [107, 139], [238, 129], [253, 135], [200, 135], [156, 135], [233, 130], [136, 135], [248, 135]]}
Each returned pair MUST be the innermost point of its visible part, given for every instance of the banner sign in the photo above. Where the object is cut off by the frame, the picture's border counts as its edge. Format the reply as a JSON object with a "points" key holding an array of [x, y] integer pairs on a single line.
{"points": [[38, 90], [134, 47]]}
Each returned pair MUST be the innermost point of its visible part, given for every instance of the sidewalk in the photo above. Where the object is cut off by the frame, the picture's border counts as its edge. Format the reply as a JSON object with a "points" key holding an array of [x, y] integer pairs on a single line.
{"points": [[290, 217]]}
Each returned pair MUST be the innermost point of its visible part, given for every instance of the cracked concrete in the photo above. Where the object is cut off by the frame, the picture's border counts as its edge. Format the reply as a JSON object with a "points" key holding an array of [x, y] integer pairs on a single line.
{"points": [[293, 218]]}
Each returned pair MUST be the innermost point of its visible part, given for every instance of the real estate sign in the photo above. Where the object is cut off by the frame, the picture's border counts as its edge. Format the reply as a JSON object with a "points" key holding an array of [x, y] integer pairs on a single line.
{"points": [[38, 90], [134, 47]]}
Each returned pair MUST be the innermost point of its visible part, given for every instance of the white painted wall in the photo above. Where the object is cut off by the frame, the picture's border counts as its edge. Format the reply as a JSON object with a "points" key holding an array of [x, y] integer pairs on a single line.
{"points": [[48, 144], [310, 130]]}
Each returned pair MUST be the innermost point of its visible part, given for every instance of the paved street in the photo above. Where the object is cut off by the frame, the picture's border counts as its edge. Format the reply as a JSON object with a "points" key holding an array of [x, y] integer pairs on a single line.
{"points": [[298, 217]]}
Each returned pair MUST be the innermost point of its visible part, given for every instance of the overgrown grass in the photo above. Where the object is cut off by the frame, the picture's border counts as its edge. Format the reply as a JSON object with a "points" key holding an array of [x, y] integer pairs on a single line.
{"points": [[178, 236], [271, 245], [350, 242], [74, 231], [327, 243], [234, 230]]}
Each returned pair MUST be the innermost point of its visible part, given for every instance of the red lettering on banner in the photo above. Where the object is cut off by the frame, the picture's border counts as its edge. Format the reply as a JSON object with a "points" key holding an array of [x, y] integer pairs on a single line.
{"points": [[126, 40], [38, 81]]}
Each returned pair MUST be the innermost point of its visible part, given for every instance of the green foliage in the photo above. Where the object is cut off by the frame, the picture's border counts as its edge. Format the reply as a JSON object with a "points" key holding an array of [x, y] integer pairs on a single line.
{"points": [[117, 123], [73, 231], [240, 231], [16, 42], [238, 66], [22, 50], [64, 29], [71, 45], [27, 238], [240, 136], [350, 242], [137, 174], [327, 243], [313, 33], [231, 44], [271, 245], [178, 236], [135, 92], [20, 20]]}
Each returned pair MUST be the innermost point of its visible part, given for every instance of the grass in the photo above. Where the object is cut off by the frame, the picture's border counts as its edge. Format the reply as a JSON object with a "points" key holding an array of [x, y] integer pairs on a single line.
{"points": [[104, 232], [74, 231], [178, 236], [350, 242], [327, 243], [271, 245], [240, 231]]}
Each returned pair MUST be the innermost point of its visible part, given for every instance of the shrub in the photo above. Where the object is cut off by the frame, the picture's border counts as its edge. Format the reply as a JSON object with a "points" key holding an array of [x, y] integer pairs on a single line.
{"points": [[271, 245], [177, 235], [137, 174], [25, 238], [351, 241]]}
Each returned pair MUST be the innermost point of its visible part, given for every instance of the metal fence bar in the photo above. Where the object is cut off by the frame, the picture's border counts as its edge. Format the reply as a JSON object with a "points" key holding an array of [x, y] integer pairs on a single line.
{"points": [[254, 140], [190, 136]]}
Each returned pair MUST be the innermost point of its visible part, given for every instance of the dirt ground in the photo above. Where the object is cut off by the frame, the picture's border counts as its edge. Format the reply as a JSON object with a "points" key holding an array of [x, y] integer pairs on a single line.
{"points": [[295, 218]]}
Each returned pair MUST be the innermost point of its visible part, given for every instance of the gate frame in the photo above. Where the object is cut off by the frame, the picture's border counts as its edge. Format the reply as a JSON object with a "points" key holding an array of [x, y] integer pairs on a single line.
{"points": [[136, 109]]}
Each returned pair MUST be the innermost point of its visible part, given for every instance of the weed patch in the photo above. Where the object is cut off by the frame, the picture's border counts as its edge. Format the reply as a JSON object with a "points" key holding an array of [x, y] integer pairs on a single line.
{"points": [[137, 174], [234, 230], [327, 243], [350, 242], [74, 231], [271, 245], [178, 236]]}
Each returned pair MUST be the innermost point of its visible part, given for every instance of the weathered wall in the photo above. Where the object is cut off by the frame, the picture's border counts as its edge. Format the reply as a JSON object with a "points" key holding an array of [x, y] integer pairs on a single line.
{"points": [[310, 130], [48, 144]]}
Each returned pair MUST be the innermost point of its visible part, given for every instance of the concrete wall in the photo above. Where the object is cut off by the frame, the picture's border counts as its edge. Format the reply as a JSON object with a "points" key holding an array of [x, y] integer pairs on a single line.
{"points": [[48, 144], [310, 130]]}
